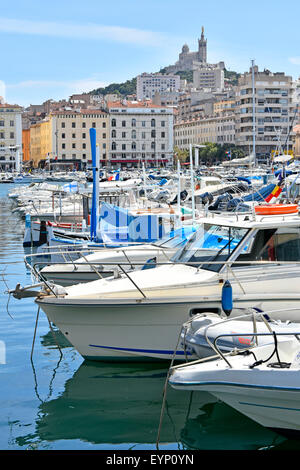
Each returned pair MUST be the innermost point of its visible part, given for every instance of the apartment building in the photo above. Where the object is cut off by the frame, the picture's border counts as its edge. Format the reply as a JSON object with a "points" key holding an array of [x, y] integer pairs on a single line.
{"points": [[149, 84], [208, 76], [41, 141], [71, 138], [10, 136], [273, 111], [215, 129], [140, 132]]}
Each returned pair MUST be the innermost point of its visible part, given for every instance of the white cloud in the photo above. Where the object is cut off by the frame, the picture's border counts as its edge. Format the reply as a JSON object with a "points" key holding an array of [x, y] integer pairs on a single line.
{"points": [[82, 31], [295, 60]]}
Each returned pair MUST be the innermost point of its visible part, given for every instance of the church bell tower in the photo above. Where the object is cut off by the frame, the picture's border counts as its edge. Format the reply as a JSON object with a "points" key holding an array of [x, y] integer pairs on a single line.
{"points": [[202, 48]]}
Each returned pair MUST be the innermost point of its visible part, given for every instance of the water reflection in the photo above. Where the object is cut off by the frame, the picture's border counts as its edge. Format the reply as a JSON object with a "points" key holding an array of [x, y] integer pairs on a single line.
{"points": [[121, 405]]}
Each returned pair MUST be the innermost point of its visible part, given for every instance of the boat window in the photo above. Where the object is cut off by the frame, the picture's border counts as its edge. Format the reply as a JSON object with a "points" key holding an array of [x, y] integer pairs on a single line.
{"points": [[282, 244], [174, 242], [211, 243]]}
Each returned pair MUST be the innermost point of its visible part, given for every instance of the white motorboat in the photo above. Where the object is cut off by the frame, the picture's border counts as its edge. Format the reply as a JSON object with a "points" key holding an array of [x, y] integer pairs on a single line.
{"points": [[93, 266], [140, 314], [262, 382]]}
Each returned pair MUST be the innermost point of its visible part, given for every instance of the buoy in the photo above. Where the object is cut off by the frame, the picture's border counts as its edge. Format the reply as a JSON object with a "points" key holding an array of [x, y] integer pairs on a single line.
{"points": [[227, 302], [276, 209]]}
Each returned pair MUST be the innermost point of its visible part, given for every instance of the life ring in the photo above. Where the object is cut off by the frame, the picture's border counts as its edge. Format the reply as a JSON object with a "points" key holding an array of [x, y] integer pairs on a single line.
{"points": [[276, 209]]}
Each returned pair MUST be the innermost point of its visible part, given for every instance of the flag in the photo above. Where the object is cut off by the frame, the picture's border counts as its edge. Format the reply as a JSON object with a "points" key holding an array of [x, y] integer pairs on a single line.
{"points": [[274, 194], [228, 154]]}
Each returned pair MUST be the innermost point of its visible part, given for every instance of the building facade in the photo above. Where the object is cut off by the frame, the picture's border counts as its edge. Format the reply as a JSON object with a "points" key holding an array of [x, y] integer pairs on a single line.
{"points": [[41, 141], [26, 145], [149, 84], [215, 129], [10, 136], [208, 76], [140, 132], [71, 139], [273, 112]]}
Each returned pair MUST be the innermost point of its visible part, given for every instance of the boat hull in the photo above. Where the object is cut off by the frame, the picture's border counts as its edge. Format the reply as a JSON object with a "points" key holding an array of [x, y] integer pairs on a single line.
{"points": [[135, 329]]}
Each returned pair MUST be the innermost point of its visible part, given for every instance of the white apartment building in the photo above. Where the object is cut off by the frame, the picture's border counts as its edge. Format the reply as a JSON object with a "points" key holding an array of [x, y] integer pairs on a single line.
{"points": [[140, 132], [10, 136], [216, 129], [273, 112], [149, 84], [209, 77], [71, 138]]}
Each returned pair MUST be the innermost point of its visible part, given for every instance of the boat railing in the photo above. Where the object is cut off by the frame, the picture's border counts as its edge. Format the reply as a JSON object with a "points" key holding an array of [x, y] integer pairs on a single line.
{"points": [[255, 316], [35, 270]]}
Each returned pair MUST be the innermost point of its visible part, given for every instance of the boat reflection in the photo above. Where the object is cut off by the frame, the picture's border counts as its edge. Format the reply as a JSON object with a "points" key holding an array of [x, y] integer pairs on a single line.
{"points": [[120, 405]]}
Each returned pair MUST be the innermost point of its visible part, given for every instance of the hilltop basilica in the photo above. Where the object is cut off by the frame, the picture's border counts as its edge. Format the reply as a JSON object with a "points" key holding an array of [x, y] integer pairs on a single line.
{"points": [[191, 60]]}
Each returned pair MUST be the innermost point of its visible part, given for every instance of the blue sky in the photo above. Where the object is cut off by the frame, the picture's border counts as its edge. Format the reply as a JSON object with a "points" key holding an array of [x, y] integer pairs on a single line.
{"points": [[54, 49]]}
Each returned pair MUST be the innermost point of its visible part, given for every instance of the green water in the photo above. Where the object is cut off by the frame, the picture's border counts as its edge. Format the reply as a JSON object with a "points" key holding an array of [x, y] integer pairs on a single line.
{"points": [[65, 403]]}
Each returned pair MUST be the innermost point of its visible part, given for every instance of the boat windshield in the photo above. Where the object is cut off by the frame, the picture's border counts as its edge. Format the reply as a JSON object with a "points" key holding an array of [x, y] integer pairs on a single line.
{"points": [[211, 243], [179, 238]]}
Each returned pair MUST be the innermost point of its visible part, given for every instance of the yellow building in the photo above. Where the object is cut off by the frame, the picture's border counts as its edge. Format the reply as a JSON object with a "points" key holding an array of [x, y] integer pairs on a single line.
{"points": [[40, 141]]}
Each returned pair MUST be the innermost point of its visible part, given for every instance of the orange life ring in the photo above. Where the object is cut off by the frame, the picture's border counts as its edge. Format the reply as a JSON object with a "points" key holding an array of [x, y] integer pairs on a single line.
{"points": [[276, 209]]}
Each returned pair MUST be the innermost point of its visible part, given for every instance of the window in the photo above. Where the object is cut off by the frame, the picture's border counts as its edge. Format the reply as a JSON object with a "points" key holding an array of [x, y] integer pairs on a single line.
{"points": [[11, 123], [63, 124], [123, 146], [84, 135], [143, 135], [133, 134], [63, 136], [113, 122], [74, 156], [93, 124], [163, 123], [123, 123], [152, 122], [73, 124], [143, 123], [11, 135], [153, 134], [63, 146], [133, 146], [114, 133], [103, 124], [103, 136], [153, 145], [143, 146], [104, 146], [123, 135], [2, 135], [74, 146], [133, 122], [123, 155], [63, 156], [163, 135], [163, 146], [84, 156], [73, 136], [211, 243], [83, 124], [113, 155], [113, 146], [2, 123], [84, 146]]}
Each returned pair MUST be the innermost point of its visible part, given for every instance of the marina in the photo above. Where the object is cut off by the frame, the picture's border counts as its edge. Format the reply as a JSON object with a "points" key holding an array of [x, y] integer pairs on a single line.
{"points": [[149, 231], [103, 405]]}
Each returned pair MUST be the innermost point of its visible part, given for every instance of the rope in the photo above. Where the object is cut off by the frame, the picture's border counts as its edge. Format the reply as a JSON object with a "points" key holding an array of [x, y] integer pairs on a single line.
{"points": [[165, 391]]}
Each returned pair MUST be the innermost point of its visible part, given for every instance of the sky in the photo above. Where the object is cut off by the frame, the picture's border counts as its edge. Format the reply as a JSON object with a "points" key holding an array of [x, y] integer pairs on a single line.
{"points": [[50, 50]]}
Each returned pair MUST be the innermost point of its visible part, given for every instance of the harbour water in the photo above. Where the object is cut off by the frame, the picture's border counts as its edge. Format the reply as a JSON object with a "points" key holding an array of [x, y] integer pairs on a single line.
{"points": [[60, 403]]}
